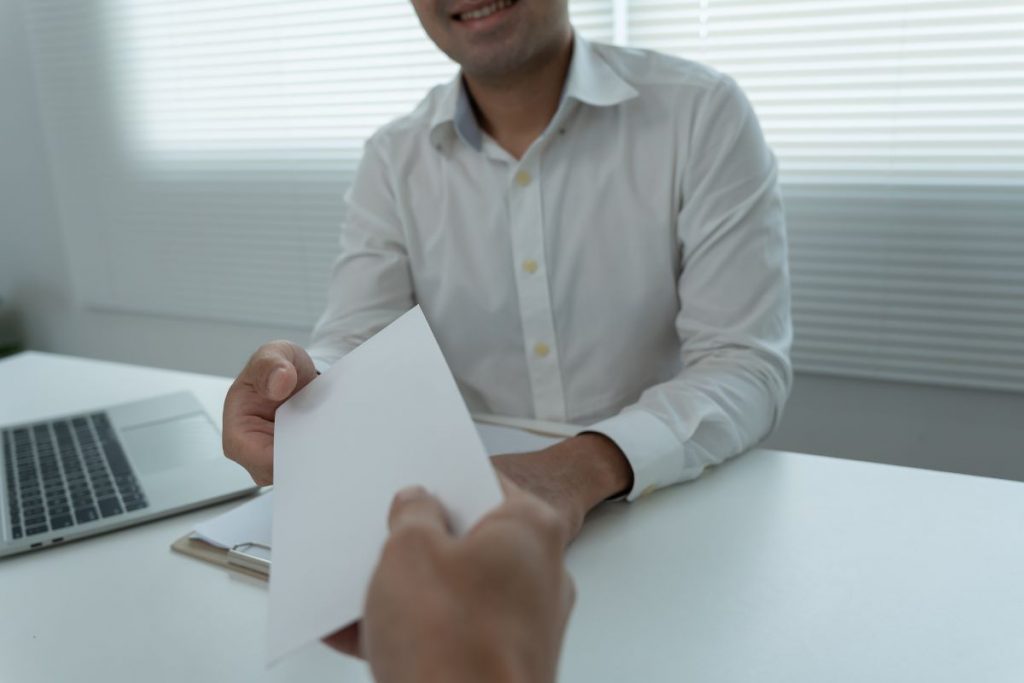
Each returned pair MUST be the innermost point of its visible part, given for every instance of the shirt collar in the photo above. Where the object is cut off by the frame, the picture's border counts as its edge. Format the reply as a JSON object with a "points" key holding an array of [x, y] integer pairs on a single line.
{"points": [[590, 80]]}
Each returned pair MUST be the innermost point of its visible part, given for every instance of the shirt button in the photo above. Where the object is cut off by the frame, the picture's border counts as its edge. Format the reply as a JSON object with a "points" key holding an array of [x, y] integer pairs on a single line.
{"points": [[523, 178], [530, 266], [541, 350], [648, 491]]}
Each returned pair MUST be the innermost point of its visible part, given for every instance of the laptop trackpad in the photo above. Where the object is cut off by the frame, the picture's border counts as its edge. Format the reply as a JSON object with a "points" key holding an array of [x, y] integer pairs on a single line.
{"points": [[167, 445]]}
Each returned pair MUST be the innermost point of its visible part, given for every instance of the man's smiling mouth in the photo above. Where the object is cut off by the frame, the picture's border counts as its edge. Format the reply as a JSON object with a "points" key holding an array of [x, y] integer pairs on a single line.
{"points": [[485, 11]]}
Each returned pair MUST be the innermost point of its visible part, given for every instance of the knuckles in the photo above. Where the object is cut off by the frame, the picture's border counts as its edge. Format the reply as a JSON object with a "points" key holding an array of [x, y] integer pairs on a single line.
{"points": [[543, 518]]}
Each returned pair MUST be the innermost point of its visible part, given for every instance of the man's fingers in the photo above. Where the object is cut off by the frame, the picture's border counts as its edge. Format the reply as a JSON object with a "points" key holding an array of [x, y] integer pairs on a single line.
{"points": [[279, 369], [413, 506], [280, 382], [271, 372], [348, 640]]}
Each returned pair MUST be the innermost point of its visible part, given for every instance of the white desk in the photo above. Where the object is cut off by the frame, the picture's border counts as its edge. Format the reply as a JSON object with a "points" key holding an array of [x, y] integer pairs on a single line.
{"points": [[775, 567]]}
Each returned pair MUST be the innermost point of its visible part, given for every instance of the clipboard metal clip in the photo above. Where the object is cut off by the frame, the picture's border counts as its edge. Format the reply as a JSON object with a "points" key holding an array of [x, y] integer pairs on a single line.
{"points": [[240, 556]]}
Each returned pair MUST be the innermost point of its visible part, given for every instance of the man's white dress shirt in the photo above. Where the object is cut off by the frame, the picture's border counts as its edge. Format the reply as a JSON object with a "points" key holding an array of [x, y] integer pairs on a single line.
{"points": [[629, 273]]}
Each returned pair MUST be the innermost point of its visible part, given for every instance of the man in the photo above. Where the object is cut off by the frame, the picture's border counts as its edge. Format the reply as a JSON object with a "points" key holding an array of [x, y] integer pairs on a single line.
{"points": [[491, 606], [595, 236]]}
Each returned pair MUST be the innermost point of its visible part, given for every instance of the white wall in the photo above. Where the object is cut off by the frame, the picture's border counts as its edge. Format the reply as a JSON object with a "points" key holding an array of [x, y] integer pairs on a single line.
{"points": [[33, 264], [956, 430]]}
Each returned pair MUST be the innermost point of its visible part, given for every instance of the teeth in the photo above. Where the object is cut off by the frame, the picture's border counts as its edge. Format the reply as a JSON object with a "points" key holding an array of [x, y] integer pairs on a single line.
{"points": [[486, 11]]}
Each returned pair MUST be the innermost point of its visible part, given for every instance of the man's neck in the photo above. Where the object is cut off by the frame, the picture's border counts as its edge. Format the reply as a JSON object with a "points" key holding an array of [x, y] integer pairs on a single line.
{"points": [[515, 110]]}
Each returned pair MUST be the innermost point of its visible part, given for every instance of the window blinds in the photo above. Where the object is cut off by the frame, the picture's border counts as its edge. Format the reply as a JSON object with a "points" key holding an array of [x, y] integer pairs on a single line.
{"points": [[899, 126], [201, 149]]}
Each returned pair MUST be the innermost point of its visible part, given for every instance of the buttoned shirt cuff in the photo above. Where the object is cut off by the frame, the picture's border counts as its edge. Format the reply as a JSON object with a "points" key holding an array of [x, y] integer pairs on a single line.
{"points": [[652, 449]]}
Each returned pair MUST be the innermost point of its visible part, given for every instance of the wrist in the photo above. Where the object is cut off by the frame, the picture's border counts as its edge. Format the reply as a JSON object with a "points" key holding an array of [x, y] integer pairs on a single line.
{"points": [[608, 472]]}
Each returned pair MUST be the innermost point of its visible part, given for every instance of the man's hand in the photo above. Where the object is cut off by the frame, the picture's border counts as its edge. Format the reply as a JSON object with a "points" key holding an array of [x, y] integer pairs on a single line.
{"points": [[275, 372], [572, 476], [491, 606]]}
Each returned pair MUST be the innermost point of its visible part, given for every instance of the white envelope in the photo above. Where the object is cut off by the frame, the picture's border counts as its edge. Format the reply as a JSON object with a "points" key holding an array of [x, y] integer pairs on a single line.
{"points": [[386, 416]]}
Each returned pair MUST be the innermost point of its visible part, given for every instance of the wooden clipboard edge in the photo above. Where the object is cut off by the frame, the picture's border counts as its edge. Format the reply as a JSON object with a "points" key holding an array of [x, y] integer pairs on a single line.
{"points": [[201, 550]]}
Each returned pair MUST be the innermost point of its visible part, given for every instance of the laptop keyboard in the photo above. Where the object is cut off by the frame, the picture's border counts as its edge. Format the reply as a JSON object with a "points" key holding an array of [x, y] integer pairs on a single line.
{"points": [[66, 472]]}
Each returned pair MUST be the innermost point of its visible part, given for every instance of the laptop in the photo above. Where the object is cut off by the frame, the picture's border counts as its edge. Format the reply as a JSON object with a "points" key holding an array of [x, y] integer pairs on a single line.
{"points": [[74, 476]]}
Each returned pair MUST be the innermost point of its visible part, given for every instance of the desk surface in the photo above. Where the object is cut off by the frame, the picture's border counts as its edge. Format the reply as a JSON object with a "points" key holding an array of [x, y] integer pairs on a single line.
{"points": [[774, 567]]}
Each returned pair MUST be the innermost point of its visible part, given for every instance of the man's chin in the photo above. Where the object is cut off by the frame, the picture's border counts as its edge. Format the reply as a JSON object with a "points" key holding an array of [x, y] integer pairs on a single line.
{"points": [[496, 60]]}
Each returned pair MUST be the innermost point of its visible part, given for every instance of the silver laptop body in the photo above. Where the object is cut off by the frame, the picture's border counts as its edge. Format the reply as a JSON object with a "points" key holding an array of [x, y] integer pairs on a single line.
{"points": [[74, 476]]}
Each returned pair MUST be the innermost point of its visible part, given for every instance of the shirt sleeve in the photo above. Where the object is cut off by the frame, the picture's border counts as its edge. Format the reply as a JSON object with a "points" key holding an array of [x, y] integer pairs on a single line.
{"points": [[371, 284], [734, 321]]}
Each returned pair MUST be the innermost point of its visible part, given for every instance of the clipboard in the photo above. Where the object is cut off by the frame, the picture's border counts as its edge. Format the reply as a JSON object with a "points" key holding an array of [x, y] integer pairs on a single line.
{"points": [[253, 559], [237, 540], [248, 559]]}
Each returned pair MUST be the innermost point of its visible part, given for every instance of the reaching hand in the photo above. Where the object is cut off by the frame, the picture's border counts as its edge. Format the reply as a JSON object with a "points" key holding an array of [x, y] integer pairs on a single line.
{"points": [[275, 372], [491, 606]]}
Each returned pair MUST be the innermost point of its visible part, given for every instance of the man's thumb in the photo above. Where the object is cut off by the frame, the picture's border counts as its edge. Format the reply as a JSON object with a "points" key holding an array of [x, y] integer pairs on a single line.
{"points": [[280, 382]]}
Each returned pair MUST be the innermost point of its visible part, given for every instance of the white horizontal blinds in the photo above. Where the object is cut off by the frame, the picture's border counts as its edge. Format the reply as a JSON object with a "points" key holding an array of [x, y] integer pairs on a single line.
{"points": [[299, 79], [863, 90], [295, 80], [202, 147], [909, 282], [593, 19], [900, 131]]}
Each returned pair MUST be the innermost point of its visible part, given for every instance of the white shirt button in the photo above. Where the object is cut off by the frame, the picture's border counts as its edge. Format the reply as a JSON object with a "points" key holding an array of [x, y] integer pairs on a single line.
{"points": [[523, 178], [541, 350], [530, 266]]}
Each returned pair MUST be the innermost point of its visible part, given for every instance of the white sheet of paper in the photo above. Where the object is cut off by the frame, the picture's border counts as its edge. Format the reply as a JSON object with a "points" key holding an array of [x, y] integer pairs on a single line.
{"points": [[386, 416], [250, 522], [247, 523]]}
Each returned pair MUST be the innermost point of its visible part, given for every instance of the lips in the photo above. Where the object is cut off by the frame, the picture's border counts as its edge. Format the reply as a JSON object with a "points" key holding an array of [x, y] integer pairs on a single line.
{"points": [[483, 11]]}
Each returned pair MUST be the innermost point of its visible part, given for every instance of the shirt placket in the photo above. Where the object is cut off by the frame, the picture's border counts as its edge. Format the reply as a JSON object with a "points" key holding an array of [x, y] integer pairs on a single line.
{"points": [[530, 265]]}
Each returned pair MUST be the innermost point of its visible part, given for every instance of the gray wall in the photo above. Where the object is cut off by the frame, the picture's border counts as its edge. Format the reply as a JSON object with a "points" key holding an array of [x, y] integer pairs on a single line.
{"points": [[955, 430], [34, 273], [974, 432]]}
